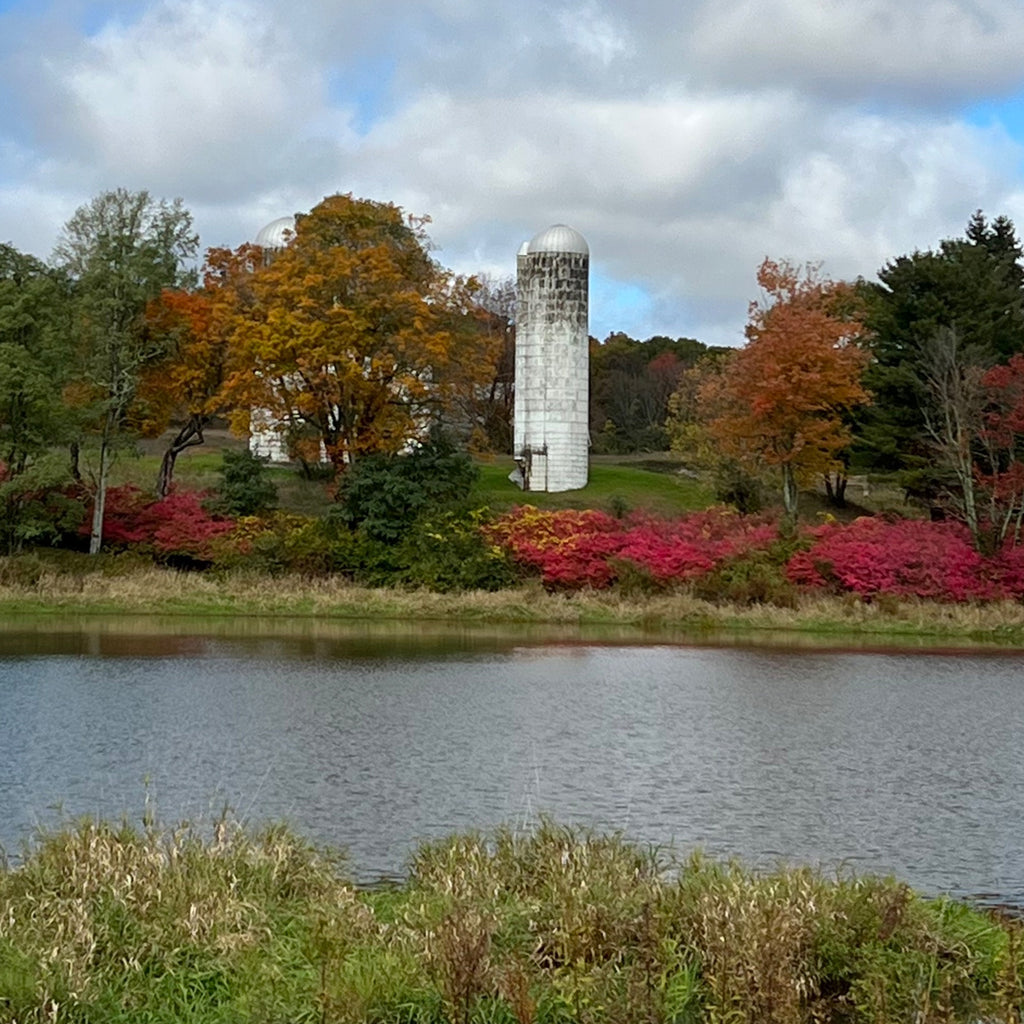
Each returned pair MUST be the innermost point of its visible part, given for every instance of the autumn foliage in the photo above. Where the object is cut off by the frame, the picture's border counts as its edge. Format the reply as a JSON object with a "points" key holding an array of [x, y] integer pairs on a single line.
{"points": [[574, 549], [177, 525], [780, 400], [355, 332], [870, 557]]}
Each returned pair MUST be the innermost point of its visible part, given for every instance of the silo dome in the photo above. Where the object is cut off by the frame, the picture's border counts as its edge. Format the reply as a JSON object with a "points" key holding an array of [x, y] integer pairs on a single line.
{"points": [[277, 234], [559, 238]]}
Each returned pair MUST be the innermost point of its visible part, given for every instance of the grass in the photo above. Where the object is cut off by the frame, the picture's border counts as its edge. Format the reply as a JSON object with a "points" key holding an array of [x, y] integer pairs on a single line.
{"points": [[108, 923], [60, 583], [655, 482], [614, 486]]}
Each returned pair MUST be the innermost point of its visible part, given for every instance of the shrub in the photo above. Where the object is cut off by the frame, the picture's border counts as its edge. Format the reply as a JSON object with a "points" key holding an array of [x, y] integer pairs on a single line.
{"points": [[752, 577], [903, 558], [38, 507], [383, 495], [448, 552], [277, 542], [574, 549], [245, 488], [178, 528]]}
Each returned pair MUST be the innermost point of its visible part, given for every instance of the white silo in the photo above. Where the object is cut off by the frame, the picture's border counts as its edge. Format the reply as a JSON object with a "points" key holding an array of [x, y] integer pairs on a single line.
{"points": [[267, 432], [551, 432]]}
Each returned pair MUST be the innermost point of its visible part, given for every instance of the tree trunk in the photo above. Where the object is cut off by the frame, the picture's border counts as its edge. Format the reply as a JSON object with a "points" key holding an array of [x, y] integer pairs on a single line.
{"points": [[96, 537], [190, 435], [835, 490], [790, 493], [99, 506]]}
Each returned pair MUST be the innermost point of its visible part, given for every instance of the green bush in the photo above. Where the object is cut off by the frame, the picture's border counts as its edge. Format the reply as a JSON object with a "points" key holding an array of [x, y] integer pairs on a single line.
{"points": [[245, 488], [756, 577], [448, 553], [39, 507], [383, 495], [445, 553]]}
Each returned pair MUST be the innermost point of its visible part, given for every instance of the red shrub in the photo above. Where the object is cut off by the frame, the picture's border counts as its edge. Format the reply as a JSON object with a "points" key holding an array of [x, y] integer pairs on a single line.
{"points": [[589, 549], [906, 558], [175, 525]]}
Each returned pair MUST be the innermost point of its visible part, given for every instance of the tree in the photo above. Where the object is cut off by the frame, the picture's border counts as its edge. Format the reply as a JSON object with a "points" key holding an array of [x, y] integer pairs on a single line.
{"points": [[782, 397], [699, 400], [999, 471], [355, 331], [491, 406], [34, 366], [193, 327], [33, 358], [120, 250], [972, 285], [630, 385]]}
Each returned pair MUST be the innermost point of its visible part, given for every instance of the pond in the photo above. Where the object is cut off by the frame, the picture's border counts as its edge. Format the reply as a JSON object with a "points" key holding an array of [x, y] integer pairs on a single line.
{"points": [[375, 739]]}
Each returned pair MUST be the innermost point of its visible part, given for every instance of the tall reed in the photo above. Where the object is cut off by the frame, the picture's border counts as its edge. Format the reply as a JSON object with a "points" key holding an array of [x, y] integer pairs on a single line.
{"points": [[104, 922]]}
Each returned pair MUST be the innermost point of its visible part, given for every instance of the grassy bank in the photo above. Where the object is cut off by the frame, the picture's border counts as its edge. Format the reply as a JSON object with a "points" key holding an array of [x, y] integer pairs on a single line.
{"points": [[113, 585], [108, 923]]}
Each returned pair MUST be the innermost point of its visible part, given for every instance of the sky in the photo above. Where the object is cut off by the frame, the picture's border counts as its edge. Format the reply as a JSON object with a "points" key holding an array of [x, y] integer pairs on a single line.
{"points": [[686, 139]]}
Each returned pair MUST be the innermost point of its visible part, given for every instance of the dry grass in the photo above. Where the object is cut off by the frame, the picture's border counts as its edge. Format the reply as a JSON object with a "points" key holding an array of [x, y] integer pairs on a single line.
{"points": [[106, 923], [124, 587]]}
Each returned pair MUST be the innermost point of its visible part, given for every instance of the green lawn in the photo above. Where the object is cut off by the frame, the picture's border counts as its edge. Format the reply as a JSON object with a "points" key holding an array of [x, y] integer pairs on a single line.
{"points": [[617, 483], [614, 486]]}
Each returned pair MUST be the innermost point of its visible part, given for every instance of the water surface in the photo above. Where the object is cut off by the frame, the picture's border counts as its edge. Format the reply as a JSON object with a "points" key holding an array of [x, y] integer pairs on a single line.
{"points": [[885, 762]]}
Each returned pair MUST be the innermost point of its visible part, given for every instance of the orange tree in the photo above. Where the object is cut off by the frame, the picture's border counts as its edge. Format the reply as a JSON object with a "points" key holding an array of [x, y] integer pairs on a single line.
{"points": [[187, 386], [354, 332], [781, 399]]}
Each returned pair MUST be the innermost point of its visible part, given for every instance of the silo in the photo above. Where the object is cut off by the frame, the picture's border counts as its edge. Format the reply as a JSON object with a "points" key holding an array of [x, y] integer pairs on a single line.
{"points": [[551, 430], [267, 433]]}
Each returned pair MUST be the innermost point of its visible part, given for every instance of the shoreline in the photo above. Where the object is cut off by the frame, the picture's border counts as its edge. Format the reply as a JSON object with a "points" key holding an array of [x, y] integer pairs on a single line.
{"points": [[153, 594]]}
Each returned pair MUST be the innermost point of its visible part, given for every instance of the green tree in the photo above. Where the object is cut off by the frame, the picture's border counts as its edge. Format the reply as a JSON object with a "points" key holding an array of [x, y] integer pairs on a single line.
{"points": [[33, 358], [33, 369], [245, 489], [631, 382], [973, 286], [120, 250]]}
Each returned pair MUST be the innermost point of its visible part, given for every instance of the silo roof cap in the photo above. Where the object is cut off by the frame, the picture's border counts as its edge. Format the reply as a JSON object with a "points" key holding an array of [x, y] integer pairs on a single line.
{"points": [[277, 234], [559, 238]]}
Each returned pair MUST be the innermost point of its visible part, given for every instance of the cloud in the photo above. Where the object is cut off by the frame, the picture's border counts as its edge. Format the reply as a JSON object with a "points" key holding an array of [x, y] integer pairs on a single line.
{"points": [[197, 98], [686, 141]]}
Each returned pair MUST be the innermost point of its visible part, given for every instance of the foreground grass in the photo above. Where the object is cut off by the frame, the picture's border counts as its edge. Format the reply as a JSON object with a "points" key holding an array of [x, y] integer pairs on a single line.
{"points": [[119, 585], [108, 923]]}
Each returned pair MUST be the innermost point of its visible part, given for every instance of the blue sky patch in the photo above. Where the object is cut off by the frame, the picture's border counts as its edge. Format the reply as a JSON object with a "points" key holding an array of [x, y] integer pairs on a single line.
{"points": [[1008, 112], [367, 87]]}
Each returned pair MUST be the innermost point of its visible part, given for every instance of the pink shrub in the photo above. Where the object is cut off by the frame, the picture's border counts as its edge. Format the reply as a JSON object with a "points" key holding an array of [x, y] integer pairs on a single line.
{"points": [[906, 558], [175, 525], [573, 549]]}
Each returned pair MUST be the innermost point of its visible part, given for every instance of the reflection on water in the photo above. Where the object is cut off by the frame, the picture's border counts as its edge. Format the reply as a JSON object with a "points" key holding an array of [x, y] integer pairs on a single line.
{"points": [[376, 738]]}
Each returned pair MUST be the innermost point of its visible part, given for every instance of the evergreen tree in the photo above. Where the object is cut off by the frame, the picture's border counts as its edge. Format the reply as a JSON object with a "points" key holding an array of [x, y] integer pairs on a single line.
{"points": [[973, 286]]}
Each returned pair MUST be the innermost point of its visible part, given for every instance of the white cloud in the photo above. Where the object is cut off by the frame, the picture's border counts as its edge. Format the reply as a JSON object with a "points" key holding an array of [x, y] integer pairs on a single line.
{"points": [[913, 49], [205, 99], [687, 141]]}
